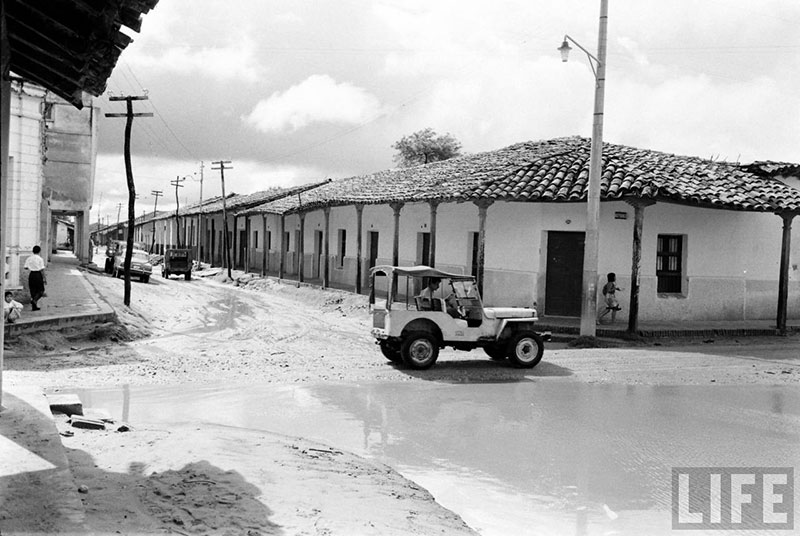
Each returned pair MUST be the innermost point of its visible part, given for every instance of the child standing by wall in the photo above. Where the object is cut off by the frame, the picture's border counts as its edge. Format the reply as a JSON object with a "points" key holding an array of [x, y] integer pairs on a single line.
{"points": [[610, 294]]}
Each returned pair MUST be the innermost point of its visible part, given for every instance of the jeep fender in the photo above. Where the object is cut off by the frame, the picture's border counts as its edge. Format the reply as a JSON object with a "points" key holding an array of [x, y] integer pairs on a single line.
{"points": [[510, 325], [423, 324]]}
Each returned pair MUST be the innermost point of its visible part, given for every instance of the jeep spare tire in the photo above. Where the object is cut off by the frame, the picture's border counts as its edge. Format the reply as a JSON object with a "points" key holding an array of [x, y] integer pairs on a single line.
{"points": [[419, 350], [525, 349]]}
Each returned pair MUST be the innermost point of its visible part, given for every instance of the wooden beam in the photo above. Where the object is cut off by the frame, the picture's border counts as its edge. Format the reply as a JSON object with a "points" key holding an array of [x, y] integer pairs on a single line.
{"points": [[282, 252], [396, 208], [301, 239], [326, 249], [359, 239], [483, 207], [434, 205], [783, 278], [638, 205]]}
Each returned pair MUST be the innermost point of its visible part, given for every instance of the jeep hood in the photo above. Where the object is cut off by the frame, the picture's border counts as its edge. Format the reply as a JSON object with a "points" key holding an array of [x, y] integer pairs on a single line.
{"points": [[509, 312]]}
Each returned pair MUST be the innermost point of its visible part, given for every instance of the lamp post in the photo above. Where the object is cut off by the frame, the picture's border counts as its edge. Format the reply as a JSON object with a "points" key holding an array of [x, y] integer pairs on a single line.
{"points": [[590, 252]]}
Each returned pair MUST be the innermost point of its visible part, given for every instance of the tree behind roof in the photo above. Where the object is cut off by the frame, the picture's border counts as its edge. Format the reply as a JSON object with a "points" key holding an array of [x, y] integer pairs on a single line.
{"points": [[424, 147]]}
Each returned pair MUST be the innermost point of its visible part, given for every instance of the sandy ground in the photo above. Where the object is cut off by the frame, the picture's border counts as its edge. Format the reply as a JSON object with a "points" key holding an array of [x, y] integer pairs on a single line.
{"points": [[214, 480]]}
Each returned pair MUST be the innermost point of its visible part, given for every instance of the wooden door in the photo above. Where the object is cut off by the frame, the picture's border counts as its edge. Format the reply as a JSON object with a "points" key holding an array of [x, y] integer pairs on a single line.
{"points": [[564, 273]]}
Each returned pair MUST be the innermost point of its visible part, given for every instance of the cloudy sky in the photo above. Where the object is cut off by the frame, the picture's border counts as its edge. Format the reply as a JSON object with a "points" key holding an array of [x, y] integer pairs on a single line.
{"points": [[294, 91]]}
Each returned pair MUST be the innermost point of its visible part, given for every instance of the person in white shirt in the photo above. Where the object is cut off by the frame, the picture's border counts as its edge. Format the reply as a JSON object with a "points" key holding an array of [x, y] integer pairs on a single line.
{"points": [[37, 278], [11, 308]]}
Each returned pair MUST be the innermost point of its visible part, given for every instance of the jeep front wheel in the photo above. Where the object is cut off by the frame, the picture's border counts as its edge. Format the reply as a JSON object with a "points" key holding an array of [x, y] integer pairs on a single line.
{"points": [[525, 349], [419, 350]]}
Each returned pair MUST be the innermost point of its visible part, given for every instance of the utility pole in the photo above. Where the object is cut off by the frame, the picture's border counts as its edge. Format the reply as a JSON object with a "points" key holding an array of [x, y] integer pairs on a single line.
{"points": [[156, 194], [227, 257], [116, 231], [177, 184], [200, 234], [129, 115]]}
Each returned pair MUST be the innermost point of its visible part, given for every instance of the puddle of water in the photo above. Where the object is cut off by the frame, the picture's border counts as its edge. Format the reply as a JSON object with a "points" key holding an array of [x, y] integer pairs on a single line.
{"points": [[515, 458]]}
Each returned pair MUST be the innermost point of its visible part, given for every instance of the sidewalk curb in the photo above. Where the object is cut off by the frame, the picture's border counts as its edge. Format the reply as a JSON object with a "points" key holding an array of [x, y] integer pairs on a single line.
{"points": [[28, 405]]}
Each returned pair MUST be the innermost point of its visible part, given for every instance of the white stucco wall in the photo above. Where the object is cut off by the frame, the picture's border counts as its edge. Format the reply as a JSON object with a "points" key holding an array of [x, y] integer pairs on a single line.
{"points": [[731, 258], [24, 227]]}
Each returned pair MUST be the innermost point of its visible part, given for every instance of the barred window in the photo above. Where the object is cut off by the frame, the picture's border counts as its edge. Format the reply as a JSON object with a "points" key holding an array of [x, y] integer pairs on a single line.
{"points": [[669, 263]]}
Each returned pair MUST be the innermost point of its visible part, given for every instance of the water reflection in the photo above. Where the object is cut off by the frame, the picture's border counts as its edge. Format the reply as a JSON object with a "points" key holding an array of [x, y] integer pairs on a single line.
{"points": [[527, 457]]}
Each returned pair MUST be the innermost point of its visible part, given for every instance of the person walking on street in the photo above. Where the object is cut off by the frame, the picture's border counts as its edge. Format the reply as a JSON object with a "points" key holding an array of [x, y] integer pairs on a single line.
{"points": [[610, 294], [37, 278]]}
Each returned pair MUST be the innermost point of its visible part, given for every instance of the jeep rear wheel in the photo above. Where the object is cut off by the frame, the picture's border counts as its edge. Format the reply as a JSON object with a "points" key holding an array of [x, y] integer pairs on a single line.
{"points": [[496, 352], [525, 349], [419, 350], [390, 351]]}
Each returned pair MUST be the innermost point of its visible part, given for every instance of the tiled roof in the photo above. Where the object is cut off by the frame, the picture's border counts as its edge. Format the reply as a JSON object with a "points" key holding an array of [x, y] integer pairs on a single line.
{"points": [[284, 193], [69, 46], [557, 171], [453, 179], [767, 167], [632, 172]]}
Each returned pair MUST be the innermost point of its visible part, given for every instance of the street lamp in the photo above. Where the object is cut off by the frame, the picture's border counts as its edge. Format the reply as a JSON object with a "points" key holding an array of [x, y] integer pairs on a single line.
{"points": [[590, 252]]}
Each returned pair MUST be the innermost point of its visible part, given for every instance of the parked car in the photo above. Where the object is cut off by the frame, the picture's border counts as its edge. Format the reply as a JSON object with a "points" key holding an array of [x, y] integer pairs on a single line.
{"points": [[177, 261], [140, 265], [412, 329]]}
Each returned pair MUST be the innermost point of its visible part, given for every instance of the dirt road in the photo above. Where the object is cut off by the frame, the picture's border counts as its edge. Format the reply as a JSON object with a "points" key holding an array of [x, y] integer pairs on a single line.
{"points": [[202, 330], [186, 479]]}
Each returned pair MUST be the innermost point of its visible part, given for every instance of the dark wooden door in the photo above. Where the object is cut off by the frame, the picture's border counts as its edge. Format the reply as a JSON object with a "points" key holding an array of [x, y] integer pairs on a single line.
{"points": [[373, 248], [564, 273]]}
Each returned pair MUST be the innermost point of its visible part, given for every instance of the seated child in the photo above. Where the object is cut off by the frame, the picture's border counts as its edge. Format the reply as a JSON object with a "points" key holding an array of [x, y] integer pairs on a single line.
{"points": [[12, 309]]}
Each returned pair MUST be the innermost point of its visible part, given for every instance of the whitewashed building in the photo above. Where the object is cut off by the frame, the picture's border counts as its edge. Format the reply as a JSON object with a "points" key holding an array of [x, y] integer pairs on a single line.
{"points": [[51, 165], [691, 239]]}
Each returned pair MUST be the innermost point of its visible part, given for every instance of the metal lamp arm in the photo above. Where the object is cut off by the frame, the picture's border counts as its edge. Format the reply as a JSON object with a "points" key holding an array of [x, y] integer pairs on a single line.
{"points": [[591, 56]]}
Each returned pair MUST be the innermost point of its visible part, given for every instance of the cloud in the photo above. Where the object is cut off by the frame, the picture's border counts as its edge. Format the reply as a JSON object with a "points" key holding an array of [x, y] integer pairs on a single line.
{"points": [[156, 173], [236, 61], [317, 99]]}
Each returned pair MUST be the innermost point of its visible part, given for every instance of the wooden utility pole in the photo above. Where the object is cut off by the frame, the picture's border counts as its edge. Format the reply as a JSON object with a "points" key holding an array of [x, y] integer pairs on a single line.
{"points": [[200, 233], [116, 231], [177, 184], [226, 258], [131, 189], [156, 194]]}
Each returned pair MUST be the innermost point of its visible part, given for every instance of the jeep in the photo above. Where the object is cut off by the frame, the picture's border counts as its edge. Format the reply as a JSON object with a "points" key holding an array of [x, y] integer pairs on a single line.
{"points": [[411, 324]]}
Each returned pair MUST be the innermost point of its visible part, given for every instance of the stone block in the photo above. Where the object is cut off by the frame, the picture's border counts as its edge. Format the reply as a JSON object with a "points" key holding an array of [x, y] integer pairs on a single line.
{"points": [[69, 404], [83, 422]]}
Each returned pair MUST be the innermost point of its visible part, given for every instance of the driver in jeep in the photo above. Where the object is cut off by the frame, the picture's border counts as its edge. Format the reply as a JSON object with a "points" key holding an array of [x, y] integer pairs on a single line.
{"points": [[429, 301]]}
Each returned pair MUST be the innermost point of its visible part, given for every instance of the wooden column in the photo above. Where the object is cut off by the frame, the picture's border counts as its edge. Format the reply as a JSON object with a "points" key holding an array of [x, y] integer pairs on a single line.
{"points": [[483, 206], [432, 253], [235, 240], [636, 263], [783, 278], [396, 207], [247, 243], [282, 251], [301, 261], [326, 249], [213, 241], [264, 245], [199, 237], [359, 239]]}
